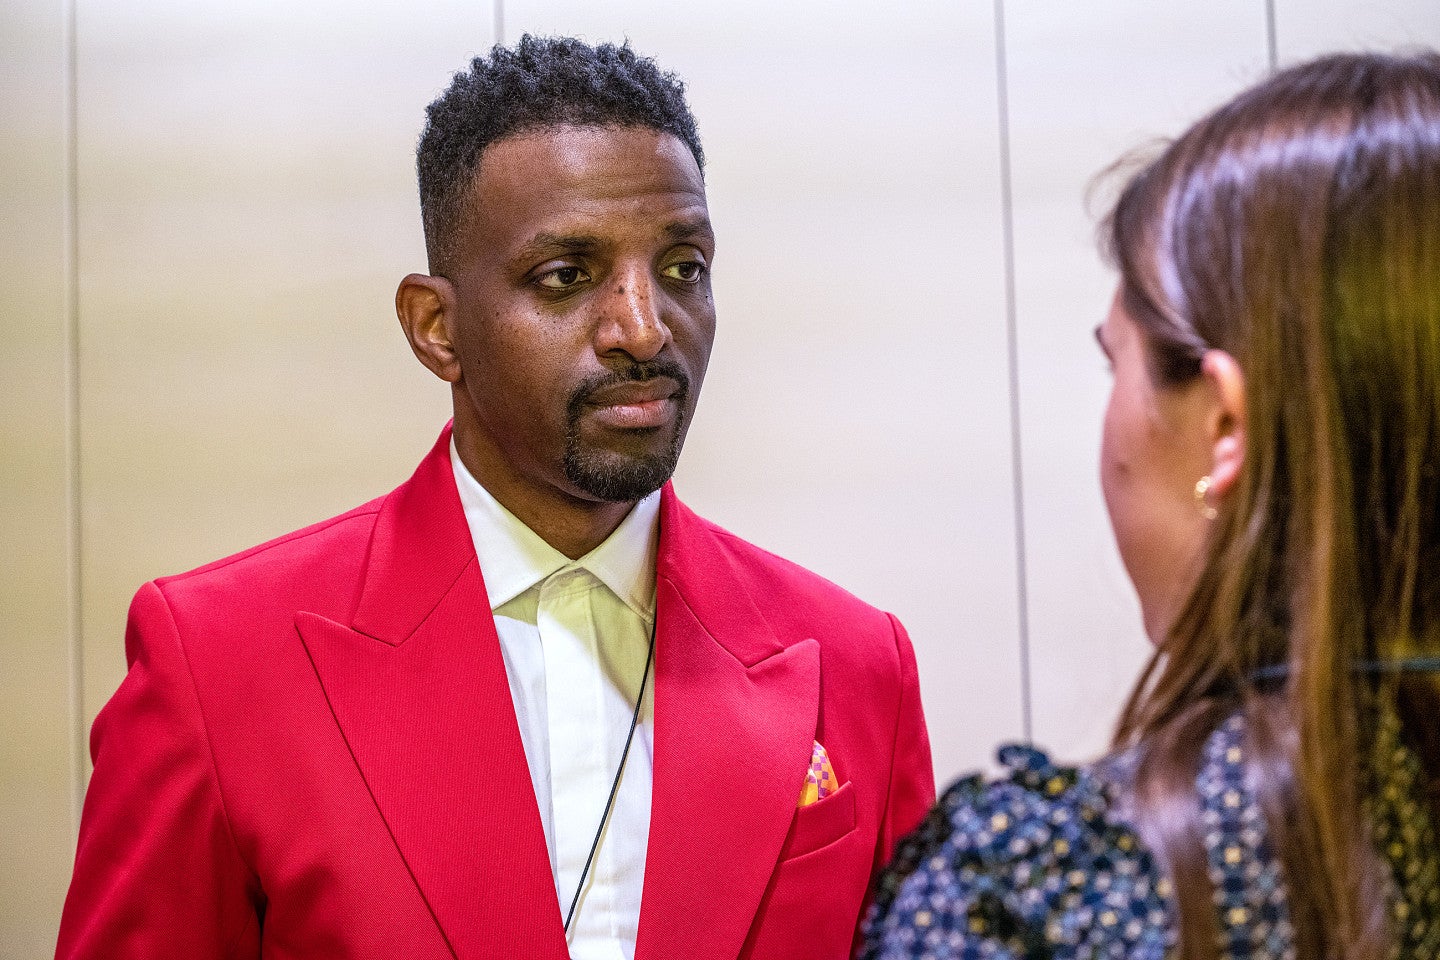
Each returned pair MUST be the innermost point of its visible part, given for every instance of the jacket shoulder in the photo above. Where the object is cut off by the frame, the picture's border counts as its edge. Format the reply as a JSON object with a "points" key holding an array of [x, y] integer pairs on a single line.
{"points": [[776, 572], [780, 584], [323, 548]]}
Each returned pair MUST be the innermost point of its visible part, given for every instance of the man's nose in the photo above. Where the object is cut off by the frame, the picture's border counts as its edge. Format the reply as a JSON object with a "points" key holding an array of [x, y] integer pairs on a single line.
{"points": [[632, 321]]}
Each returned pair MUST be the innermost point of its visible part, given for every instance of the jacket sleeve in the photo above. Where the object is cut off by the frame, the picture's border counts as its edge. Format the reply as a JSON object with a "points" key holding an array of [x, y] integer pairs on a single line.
{"points": [[158, 874], [912, 774], [911, 793]]}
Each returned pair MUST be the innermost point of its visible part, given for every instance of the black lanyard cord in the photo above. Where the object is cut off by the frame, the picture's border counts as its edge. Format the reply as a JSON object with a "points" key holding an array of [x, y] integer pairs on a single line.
{"points": [[615, 784]]}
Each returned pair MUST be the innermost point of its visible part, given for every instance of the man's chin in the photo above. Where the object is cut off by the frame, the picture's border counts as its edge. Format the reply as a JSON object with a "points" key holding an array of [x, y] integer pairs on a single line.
{"points": [[617, 477]]}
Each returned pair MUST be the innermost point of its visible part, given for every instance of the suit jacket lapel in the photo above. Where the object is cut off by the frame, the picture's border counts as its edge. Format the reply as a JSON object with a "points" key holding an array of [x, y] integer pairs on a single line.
{"points": [[735, 715], [418, 687]]}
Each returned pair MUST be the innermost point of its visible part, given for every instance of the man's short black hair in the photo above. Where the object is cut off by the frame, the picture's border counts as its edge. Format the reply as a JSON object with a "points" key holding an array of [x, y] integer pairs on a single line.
{"points": [[542, 82]]}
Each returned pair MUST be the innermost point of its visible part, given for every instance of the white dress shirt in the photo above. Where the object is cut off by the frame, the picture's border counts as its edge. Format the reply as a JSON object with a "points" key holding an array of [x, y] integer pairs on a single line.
{"points": [[575, 635]]}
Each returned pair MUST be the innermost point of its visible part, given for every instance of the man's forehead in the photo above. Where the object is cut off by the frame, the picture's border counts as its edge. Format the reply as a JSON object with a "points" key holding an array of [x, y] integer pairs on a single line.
{"points": [[555, 180], [585, 156]]}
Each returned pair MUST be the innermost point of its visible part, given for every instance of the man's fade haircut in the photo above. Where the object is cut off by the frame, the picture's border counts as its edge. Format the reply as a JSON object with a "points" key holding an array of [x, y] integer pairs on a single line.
{"points": [[542, 82]]}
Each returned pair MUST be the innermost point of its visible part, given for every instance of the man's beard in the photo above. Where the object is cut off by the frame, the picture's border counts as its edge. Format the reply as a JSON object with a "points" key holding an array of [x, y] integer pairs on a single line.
{"points": [[618, 477]]}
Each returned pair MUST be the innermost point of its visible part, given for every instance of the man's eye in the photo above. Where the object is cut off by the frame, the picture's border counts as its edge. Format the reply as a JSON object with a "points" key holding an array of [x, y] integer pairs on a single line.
{"points": [[688, 272], [561, 278]]}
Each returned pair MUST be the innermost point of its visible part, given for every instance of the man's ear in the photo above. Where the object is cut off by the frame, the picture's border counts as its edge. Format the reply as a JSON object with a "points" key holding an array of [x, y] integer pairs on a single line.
{"points": [[426, 307], [1226, 425]]}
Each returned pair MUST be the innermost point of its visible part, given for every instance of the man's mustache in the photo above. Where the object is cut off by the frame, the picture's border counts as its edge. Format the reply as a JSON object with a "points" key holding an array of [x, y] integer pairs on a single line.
{"points": [[639, 372]]}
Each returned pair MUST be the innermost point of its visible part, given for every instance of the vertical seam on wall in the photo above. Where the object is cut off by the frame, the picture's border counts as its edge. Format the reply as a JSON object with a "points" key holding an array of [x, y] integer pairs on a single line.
{"points": [[499, 21], [72, 418], [1007, 218], [1272, 39]]}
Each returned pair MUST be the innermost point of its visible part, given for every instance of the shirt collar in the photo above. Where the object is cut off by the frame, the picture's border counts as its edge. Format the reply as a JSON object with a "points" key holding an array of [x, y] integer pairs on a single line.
{"points": [[513, 558]]}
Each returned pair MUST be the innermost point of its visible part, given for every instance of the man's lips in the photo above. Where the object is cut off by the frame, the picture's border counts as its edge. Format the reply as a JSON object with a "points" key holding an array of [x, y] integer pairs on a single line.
{"points": [[635, 405]]}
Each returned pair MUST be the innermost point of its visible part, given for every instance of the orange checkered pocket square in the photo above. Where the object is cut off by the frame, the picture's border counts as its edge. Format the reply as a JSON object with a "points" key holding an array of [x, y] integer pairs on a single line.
{"points": [[819, 778]]}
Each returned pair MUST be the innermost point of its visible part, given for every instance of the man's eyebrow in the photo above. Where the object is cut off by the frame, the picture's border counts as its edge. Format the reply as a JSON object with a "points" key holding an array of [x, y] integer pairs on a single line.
{"points": [[545, 244], [692, 229]]}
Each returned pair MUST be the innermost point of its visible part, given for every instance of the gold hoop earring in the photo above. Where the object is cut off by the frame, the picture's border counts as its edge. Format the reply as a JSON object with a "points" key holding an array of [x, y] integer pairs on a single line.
{"points": [[1202, 490]]}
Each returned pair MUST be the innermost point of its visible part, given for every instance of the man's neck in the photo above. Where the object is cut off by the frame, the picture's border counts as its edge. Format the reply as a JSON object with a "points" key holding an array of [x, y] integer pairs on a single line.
{"points": [[573, 532], [571, 525]]}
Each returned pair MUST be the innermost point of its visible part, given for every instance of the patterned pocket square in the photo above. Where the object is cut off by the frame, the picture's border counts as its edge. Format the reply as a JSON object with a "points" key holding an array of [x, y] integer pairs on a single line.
{"points": [[819, 778]]}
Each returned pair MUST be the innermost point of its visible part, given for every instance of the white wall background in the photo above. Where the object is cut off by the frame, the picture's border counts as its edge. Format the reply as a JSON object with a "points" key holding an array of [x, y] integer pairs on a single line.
{"points": [[206, 209]]}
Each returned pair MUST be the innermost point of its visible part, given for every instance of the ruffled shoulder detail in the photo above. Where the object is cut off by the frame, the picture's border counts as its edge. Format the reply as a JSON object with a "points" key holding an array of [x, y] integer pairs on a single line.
{"points": [[1032, 864]]}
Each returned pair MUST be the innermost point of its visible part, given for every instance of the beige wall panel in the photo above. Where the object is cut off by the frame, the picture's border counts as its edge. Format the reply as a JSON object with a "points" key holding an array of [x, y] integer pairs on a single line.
{"points": [[1087, 82], [247, 206], [36, 747], [856, 414], [1305, 28]]}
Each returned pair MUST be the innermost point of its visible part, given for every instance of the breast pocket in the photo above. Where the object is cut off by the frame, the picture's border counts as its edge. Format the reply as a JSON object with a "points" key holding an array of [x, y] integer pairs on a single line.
{"points": [[821, 823], [812, 904]]}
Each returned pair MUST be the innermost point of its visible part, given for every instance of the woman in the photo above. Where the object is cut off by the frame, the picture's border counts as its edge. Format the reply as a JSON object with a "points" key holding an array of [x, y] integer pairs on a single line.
{"points": [[1271, 466]]}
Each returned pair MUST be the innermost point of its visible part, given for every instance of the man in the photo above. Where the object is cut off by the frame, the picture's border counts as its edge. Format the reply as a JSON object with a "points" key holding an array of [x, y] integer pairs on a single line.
{"points": [[528, 705]]}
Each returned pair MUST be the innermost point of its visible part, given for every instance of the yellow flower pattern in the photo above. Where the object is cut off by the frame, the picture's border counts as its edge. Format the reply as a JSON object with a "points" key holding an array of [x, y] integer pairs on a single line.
{"points": [[1043, 864]]}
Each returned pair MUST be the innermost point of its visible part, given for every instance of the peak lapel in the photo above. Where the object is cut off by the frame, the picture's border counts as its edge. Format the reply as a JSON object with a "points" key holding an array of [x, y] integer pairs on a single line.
{"points": [[735, 715], [419, 691]]}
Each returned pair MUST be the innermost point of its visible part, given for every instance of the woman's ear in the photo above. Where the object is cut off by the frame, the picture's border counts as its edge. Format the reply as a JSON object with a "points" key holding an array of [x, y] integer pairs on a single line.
{"points": [[426, 307], [1226, 425]]}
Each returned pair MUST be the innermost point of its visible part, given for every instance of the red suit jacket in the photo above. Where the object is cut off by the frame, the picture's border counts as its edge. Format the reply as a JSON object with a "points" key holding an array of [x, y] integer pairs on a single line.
{"points": [[315, 755]]}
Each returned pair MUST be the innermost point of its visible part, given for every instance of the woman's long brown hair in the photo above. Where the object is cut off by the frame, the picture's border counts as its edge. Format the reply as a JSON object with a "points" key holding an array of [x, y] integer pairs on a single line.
{"points": [[1297, 228]]}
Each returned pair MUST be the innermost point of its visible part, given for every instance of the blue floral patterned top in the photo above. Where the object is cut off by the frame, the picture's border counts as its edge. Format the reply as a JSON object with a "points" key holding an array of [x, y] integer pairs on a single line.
{"points": [[1042, 863]]}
